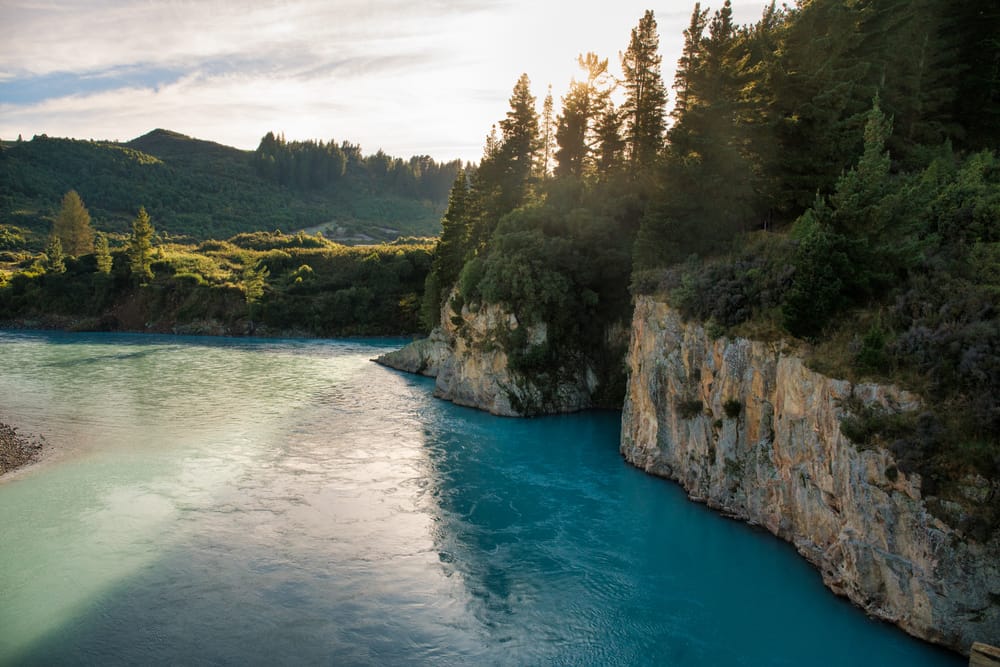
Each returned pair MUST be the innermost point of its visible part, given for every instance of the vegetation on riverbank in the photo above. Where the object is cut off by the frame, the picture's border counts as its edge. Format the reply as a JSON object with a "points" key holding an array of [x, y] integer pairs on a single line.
{"points": [[266, 283], [829, 177]]}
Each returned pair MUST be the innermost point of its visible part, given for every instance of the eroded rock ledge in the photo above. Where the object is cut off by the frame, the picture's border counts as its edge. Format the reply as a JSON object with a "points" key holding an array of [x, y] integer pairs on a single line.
{"points": [[745, 427], [467, 355]]}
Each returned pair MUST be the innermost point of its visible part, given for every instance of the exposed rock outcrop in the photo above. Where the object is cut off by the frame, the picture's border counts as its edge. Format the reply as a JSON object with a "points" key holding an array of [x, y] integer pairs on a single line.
{"points": [[468, 354], [747, 428]]}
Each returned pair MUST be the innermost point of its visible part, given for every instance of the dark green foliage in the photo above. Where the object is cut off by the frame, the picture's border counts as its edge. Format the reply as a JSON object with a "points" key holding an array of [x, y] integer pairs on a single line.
{"points": [[318, 165], [204, 190], [563, 264], [452, 249], [588, 124], [822, 266], [55, 259], [727, 293], [521, 142], [11, 237], [732, 407], [645, 95], [870, 426], [102, 254], [872, 355], [977, 25]]}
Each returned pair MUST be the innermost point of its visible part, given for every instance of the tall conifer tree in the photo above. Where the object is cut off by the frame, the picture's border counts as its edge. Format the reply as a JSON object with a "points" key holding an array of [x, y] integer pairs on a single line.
{"points": [[548, 136], [645, 94], [102, 254], [54, 255], [72, 226], [140, 246], [521, 142]]}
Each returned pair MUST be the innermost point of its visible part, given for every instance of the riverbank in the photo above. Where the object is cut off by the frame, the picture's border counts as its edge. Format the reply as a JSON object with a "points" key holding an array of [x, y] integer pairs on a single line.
{"points": [[17, 450], [194, 328]]}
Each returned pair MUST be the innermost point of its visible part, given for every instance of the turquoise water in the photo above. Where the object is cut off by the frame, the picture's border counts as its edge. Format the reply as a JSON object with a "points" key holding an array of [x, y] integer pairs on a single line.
{"points": [[224, 501]]}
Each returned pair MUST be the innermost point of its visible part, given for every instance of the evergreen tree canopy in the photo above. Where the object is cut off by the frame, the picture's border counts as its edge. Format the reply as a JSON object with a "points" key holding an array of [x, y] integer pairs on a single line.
{"points": [[548, 136], [645, 95], [55, 259], [584, 107], [72, 226], [521, 143], [102, 254], [140, 247]]}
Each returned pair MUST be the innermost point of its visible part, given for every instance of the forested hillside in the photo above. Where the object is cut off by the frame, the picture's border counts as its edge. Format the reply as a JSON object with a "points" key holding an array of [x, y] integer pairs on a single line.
{"points": [[826, 175], [201, 190]]}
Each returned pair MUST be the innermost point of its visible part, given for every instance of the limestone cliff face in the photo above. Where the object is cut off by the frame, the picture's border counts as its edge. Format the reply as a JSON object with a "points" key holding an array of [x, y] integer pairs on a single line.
{"points": [[777, 458], [468, 356]]}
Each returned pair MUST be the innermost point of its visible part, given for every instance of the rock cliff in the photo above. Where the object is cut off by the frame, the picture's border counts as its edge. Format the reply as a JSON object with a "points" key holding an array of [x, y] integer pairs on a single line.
{"points": [[745, 427], [468, 355]]}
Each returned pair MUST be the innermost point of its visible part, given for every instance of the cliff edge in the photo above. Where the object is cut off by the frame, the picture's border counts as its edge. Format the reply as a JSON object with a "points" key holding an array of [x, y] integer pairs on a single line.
{"points": [[747, 428], [468, 354]]}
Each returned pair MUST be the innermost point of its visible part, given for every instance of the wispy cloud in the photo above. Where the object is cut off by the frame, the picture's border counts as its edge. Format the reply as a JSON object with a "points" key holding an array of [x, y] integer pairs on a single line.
{"points": [[411, 77], [79, 37]]}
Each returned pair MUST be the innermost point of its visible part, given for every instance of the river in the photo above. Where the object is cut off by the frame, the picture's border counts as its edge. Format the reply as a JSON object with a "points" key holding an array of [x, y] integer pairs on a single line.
{"points": [[211, 501]]}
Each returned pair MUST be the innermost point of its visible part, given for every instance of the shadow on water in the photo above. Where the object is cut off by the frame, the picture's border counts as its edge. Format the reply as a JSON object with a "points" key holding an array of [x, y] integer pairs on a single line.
{"points": [[570, 556], [102, 358], [384, 527]]}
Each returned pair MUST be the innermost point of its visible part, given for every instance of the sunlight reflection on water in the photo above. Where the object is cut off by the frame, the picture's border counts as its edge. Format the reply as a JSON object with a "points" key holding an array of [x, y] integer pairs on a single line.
{"points": [[246, 502]]}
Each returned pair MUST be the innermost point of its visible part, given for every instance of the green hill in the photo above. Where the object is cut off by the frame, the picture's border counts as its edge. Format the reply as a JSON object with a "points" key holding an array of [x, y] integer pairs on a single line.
{"points": [[200, 189]]}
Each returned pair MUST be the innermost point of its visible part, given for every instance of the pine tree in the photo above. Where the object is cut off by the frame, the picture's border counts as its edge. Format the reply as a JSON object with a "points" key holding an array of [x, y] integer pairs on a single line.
{"points": [[254, 280], [865, 185], [571, 131], [583, 106], [102, 254], [452, 247], [688, 63], [977, 34], [610, 144], [548, 136], [140, 247], [821, 98], [645, 95], [521, 142], [55, 259], [705, 197], [72, 226], [912, 47]]}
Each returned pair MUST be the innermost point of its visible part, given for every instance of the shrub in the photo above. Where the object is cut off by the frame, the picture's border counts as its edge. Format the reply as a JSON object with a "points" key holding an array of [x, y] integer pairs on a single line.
{"points": [[189, 279], [732, 408]]}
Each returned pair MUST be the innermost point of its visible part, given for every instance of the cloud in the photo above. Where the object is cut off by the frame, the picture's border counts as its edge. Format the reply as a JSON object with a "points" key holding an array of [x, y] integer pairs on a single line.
{"points": [[404, 118], [409, 77], [83, 37]]}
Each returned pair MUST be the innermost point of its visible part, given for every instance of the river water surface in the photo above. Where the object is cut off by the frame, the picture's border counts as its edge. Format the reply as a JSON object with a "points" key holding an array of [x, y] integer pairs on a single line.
{"points": [[233, 501]]}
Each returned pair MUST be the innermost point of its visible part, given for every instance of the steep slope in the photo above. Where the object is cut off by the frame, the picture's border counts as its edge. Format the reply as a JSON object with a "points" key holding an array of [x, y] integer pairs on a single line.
{"points": [[745, 427], [468, 356]]}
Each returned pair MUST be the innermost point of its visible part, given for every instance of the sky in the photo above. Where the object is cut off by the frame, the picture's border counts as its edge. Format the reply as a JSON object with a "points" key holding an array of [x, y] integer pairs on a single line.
{"points": [[412, 77]]}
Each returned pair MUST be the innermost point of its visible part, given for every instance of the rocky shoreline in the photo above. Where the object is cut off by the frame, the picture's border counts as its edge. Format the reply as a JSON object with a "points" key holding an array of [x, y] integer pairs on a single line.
{"points": [[17, 450]]}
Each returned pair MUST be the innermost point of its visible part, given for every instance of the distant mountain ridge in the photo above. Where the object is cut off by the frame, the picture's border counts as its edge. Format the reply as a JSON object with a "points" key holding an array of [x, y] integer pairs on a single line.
{"points": [[163, 143], [201, 189]]}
